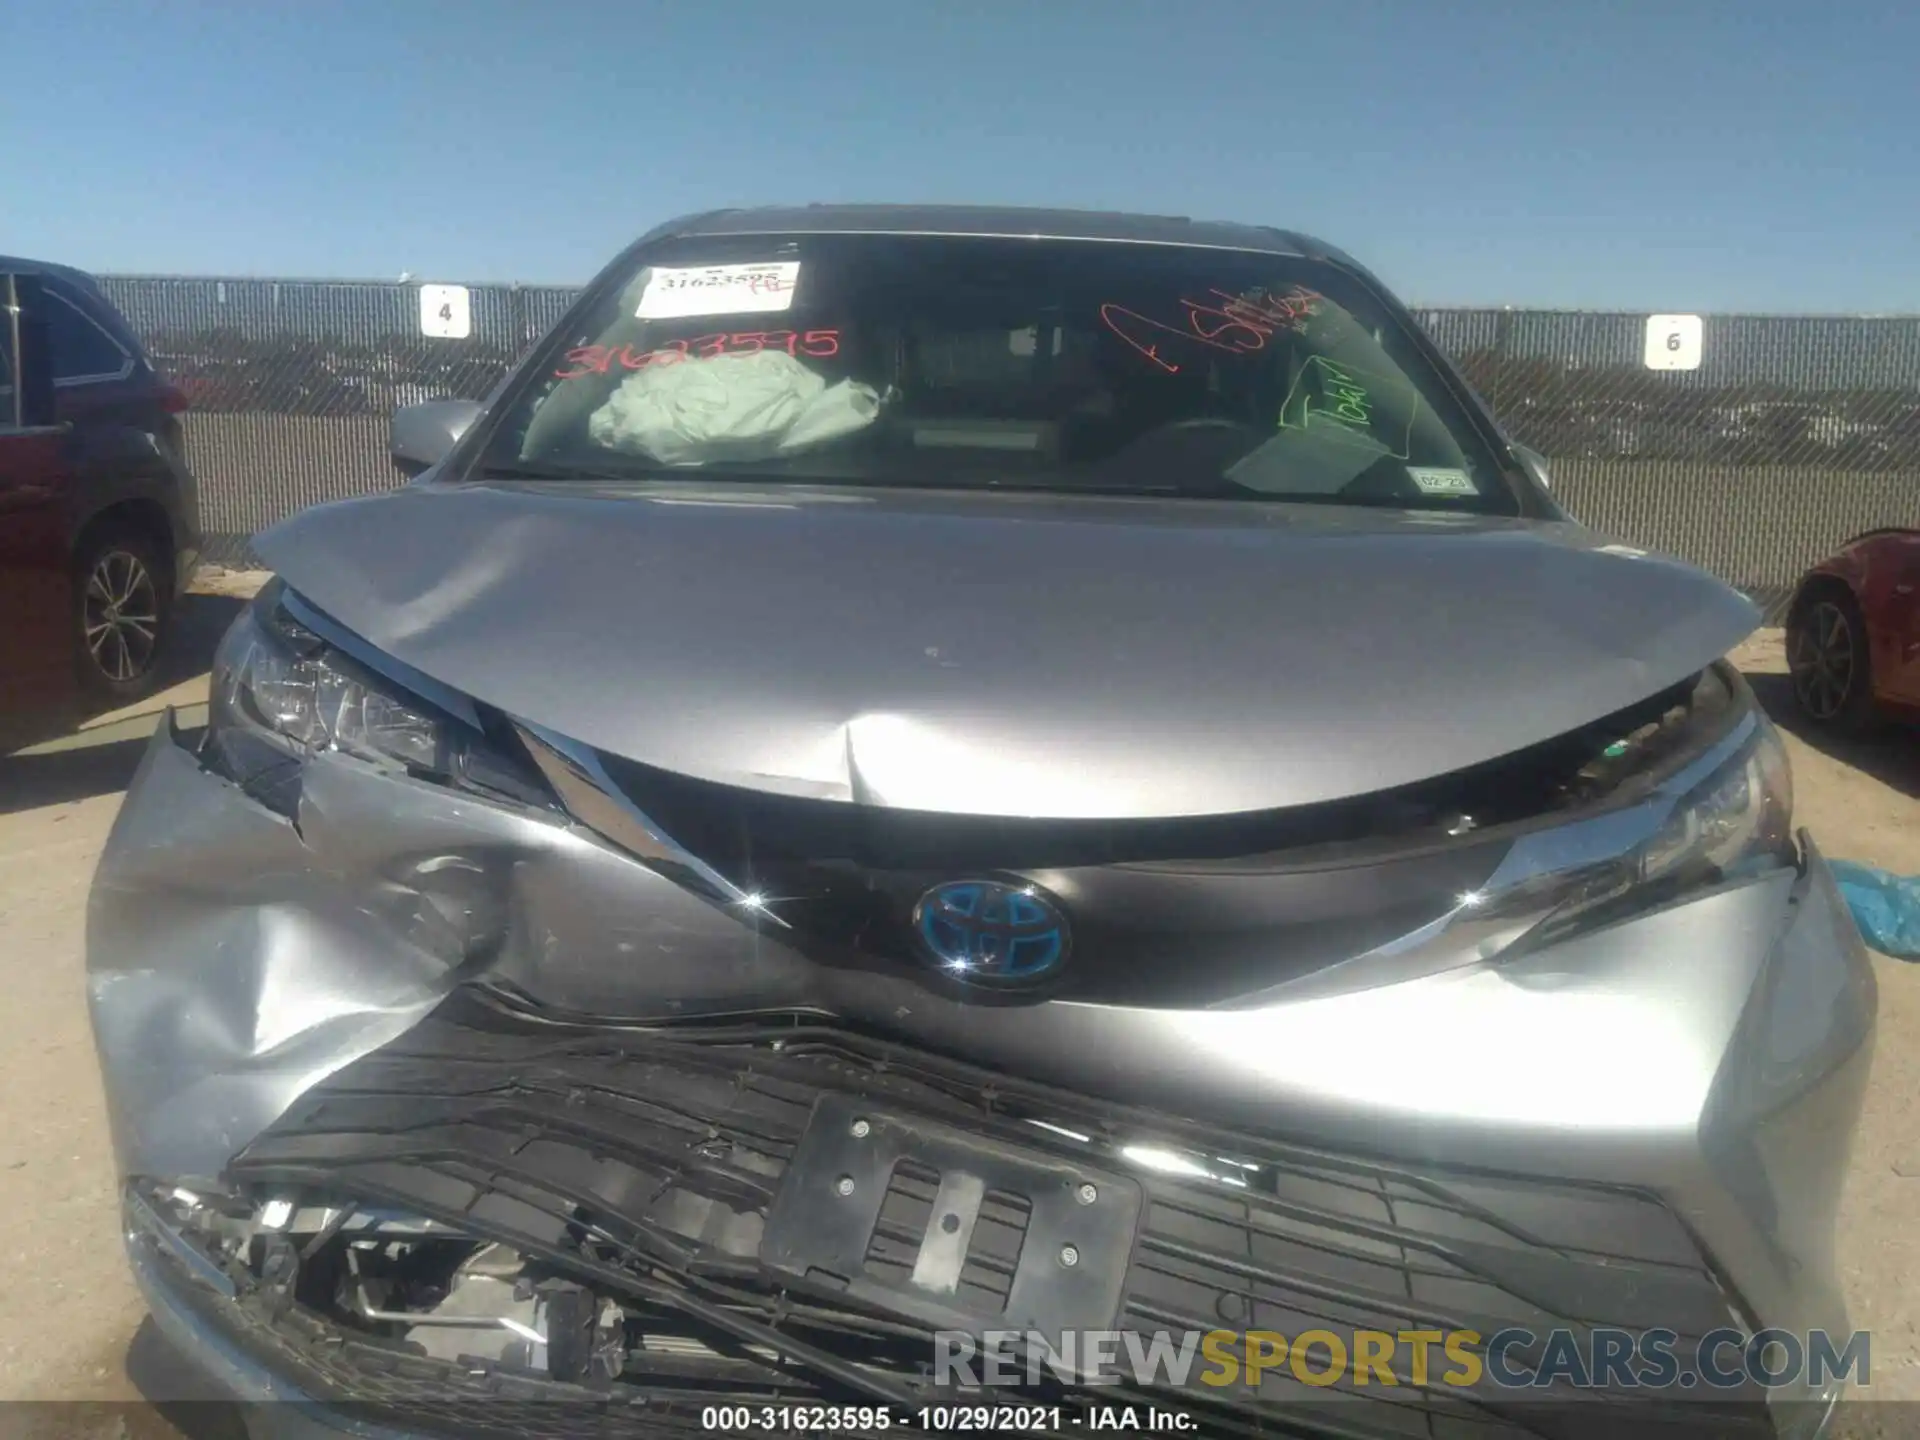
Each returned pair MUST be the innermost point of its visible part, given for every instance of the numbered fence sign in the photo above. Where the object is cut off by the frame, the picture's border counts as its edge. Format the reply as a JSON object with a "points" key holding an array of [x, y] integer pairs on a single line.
{"points": [[1673, 342], [446, 312]]}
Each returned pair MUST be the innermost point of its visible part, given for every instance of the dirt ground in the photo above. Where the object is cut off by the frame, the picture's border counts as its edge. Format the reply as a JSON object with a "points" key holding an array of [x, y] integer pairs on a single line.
{"points": [[69, 1314]]}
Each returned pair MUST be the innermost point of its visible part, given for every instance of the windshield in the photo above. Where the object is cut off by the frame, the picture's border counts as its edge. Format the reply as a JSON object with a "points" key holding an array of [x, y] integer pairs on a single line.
{"points": [[982, 362]]}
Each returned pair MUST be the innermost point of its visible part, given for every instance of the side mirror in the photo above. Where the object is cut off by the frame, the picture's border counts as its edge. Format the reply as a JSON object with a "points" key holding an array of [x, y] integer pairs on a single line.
{"points": [[1536, 465], [423, 435]]}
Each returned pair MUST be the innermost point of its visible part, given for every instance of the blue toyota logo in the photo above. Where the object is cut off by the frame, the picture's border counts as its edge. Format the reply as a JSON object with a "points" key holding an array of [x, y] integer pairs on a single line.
{"points": [[989, 933]]}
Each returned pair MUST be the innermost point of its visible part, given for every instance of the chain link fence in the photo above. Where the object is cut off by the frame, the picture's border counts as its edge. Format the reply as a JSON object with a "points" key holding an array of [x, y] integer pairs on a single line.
{"points": [[1794, 434], [291, 382]]}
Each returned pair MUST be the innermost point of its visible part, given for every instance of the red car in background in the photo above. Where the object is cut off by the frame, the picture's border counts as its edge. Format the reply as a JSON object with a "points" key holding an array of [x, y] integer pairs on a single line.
{"points": [[1853, 633]]}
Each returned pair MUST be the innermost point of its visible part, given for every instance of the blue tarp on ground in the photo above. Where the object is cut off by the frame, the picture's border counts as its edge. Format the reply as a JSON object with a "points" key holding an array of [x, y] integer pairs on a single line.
{"points": [[1886, 907]]}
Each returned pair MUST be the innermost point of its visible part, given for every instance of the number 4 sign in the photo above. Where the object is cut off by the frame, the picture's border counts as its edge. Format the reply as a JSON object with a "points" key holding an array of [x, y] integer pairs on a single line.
{"points": [[1673, 342], [446, 313]]}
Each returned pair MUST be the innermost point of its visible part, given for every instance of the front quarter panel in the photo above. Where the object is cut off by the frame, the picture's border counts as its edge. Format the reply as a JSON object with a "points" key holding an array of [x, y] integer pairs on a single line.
{"points": [[1886, 580], [227, 971], [236, 958]]}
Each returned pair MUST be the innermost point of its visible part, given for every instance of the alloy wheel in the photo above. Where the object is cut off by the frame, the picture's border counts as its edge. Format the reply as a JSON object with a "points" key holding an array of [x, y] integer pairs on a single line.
{"points": [[1823, 660], [121, 616]]}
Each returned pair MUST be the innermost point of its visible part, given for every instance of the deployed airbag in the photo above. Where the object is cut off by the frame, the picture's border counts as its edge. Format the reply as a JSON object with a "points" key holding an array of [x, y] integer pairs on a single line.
{"points": [[731, 407]]}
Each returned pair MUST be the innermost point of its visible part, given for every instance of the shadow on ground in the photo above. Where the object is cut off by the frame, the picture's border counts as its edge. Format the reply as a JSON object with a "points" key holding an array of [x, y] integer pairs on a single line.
{"points": [[185, 1402], [202, 621], [177, 1402], [1890, 754], [29, 781]]}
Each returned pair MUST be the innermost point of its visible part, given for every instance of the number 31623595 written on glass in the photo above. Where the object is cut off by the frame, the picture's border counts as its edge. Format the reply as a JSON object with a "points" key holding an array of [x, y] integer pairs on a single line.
{"points": [[601, 359]]}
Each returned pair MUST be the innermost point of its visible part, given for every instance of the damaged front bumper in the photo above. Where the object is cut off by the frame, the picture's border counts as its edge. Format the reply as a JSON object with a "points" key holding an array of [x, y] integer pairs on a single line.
{"points": [[369, 1170]]}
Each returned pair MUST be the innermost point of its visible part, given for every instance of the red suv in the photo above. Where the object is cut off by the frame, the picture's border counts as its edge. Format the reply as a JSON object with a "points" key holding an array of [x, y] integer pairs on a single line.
{"points": [[98, 512]]}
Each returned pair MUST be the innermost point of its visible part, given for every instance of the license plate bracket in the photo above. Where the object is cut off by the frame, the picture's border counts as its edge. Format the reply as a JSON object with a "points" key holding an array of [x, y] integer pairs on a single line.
{"points": [[1072, 1262]]}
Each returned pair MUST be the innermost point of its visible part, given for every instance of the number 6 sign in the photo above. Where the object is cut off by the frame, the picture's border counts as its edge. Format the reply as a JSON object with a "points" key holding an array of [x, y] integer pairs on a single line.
{"points": [[1673, 342]]}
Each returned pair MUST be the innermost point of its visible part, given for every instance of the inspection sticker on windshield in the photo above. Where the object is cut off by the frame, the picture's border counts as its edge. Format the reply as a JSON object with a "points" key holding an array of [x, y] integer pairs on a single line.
{"points": [[1435, 480], [718, 290]]}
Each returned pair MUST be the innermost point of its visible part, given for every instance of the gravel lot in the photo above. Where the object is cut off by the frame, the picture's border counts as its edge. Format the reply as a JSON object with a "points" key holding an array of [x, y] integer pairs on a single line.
{"points": [[68, 1313]]}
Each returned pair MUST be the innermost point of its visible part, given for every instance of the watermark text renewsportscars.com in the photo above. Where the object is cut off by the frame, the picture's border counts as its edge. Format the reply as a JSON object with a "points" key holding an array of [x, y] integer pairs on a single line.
{"points": [[1510, 1359]]}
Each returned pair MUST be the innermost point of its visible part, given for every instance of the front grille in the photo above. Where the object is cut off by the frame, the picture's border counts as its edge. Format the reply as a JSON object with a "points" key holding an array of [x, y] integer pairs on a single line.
{"points": [[619, 1146]]}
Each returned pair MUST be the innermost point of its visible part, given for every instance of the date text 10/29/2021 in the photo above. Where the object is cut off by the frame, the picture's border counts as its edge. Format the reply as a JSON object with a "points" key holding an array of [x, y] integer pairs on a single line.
{"points": [[942, 1419]]}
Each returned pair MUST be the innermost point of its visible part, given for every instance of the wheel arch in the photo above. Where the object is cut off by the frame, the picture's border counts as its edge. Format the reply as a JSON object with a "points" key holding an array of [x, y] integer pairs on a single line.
{"points": [[138, 515], [1820, 585]]}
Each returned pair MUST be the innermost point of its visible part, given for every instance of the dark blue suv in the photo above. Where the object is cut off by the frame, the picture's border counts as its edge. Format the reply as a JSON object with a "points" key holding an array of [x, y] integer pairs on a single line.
{"points": [[99, 523]]}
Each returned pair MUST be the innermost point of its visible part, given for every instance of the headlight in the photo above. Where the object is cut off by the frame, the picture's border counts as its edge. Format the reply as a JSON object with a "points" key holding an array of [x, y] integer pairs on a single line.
{"points": [[1713, 810], [282, 693], [1727, 814], [1738, 818]]}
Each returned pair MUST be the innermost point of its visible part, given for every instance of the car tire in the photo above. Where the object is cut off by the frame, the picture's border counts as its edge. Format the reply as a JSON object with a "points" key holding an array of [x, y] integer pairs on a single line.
{"points": [[122, 604], [1828, 661]]}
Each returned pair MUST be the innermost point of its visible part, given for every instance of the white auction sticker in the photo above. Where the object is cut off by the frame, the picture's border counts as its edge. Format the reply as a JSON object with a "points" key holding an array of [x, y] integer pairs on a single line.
{"points": [[1436, 480], [718, 290]]}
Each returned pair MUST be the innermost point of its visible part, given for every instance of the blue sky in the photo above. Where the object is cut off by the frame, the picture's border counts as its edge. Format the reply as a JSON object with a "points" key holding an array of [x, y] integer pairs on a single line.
{"points": [[1640, 154]]}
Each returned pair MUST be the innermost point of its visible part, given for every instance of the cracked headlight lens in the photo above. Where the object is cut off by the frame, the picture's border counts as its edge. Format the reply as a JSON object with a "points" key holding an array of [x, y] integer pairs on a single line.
{"points": [[281, 694]]}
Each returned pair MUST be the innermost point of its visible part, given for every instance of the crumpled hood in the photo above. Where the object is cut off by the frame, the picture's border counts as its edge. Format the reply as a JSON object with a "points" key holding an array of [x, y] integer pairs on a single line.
{"points": [[1009, 654]]}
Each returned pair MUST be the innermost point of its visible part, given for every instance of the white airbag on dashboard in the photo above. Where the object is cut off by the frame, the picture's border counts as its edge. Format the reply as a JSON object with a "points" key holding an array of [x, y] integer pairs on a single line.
{"points": [[731, 407]]}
